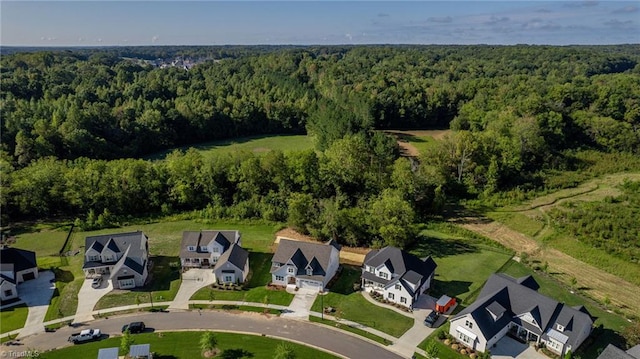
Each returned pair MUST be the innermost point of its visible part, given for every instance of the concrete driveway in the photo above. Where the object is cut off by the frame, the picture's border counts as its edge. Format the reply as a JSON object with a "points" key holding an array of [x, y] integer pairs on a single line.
{"points": [[88, 297], [301, 304], [192, 280], [36, 294], [510, 348], [408, 342]]}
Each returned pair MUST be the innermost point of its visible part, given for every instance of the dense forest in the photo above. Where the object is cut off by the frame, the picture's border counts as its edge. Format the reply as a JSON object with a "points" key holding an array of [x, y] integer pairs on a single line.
{"points": [[74, 121]]}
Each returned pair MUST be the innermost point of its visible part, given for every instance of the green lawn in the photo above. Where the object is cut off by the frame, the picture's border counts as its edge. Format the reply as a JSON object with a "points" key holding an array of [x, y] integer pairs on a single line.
{"points": [[353, 306], [180, 345], [347, 328], [255, 144], [242, 308], [255, 290], [13, 318], [463, 265], [444, 352], [165, 282], [69, 279], [549, 286], [421, 143]]}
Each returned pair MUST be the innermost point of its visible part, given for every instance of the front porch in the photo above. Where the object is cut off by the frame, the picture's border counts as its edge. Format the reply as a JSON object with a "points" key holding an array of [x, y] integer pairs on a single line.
{"points": [[523, 334], [196, 263], [97, 271]]}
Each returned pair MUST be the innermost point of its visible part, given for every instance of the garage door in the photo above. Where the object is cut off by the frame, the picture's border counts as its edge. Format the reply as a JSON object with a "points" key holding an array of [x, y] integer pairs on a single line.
{"points": [[28, 276], [309, 284]]}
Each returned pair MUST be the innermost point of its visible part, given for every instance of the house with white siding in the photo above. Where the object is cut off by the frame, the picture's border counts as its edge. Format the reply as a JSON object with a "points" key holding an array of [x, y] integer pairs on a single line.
{"points": [[399, 276], [513, 306], [16, 266], [305, 264]]}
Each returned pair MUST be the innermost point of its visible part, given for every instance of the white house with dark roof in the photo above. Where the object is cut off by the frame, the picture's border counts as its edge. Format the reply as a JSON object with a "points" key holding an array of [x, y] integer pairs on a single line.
{"points": [[122, 257], [514, 306], [305, 264], [16, 266], [202, 249], [400, 276], [221, 250]]}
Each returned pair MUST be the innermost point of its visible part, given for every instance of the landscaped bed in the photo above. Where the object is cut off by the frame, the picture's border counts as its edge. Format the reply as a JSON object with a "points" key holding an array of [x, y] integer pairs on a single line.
{"points": [[351, 305], [181, 345]]}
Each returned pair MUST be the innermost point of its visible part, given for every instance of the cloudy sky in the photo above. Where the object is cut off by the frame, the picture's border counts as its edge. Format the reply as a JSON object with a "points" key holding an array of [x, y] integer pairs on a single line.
{"points": [[90, 23]]}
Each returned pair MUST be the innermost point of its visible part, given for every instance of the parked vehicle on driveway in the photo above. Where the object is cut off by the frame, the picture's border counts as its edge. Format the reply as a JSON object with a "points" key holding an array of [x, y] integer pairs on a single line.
{"points": [[134, 327], [85, 336], [95, 283], [431, 319]]}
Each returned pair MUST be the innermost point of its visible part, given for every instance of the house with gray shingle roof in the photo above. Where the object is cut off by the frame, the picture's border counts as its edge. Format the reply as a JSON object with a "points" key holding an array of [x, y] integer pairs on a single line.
{"points": [[218, 249], [16, 266], [613, 352], [122, 257], [399, 276], [513, 306], [305, 264]]}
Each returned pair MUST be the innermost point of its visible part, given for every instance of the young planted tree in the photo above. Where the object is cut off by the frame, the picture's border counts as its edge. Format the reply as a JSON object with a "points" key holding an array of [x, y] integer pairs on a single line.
{"points": [[284, 351], [208, 342], [125, 342]]}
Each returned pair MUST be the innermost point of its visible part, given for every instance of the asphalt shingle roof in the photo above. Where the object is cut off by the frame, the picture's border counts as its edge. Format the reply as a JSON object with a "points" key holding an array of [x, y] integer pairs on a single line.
{"points": [[613, 352], [130, 241], [235, 255], [302, 253], [203, 238], [405, 267], [20, 258]]}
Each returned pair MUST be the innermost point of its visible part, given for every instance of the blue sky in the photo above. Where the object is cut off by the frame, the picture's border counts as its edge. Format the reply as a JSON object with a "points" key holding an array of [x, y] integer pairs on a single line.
{"points": [[90, 23]]}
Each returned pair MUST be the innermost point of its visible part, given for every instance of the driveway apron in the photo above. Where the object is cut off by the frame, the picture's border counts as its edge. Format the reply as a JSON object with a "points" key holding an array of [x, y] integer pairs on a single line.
{"points": [[301, 304], [192, 280], [88, 297], [36, 294]]}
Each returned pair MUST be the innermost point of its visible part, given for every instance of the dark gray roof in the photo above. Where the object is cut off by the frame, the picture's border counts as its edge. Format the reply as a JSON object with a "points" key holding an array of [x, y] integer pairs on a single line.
{"points": [[236, 255], [142, 350], [529, 282], [20, 258], [139, 268], [133, 242], [496, 309], [302, 253], [203, 238], [613, 352], [518, 299], [8, 279], [97, 246], [372, 277], [404, 265], [634, 351]]}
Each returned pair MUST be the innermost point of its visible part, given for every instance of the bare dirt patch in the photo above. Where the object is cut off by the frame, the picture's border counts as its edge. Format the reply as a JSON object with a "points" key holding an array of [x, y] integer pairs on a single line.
{"points": [[407, 149], [348, 255]]}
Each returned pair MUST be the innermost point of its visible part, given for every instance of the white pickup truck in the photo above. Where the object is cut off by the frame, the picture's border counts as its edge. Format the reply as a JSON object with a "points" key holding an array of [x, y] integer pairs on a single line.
{"points": [[85, 336]]}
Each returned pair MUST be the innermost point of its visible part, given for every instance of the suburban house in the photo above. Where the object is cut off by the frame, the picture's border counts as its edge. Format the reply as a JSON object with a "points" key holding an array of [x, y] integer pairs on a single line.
{"points": [[305, 264], [122, 257], [400, 276], [613, 352], [16, 266], [513, 306], [218, 249], [202, 249]]}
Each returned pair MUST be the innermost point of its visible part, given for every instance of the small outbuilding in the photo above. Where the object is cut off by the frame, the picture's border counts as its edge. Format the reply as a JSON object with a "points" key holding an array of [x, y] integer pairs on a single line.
{"points": [[140, 351], [445, 303], [108, 353]]}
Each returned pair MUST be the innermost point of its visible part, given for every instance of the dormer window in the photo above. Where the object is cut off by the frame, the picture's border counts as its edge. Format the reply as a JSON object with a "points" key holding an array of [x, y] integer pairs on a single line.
{"points": [[560, 328], [276, 265], [397, 286], [309, 271], [383, 275], [371, 269], [290, 270], [203, 249], [191, 248], [94, 258]]}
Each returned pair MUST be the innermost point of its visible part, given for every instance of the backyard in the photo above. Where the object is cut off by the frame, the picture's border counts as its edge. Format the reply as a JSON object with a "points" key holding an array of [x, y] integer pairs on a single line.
{"points": [[351, 305], [179, 345]]}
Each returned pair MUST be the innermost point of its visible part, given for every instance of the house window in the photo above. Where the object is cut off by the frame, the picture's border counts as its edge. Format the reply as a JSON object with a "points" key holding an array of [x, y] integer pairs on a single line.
{"points": [[468, 324], [276, 265], [309, 271], [279, 278], [215, 249], [94, 258], [464, 338], [290, 270], [228, 278], [403, 300], [8, 293], [371, 269], [397, 286], [391, 296], [214, 260], [191, 248], [383, 275], [203, 249]]}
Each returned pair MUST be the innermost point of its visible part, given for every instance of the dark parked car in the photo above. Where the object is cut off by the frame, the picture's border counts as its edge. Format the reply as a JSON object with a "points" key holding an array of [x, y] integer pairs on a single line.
{"points": [[135, 327], [431, 319]]}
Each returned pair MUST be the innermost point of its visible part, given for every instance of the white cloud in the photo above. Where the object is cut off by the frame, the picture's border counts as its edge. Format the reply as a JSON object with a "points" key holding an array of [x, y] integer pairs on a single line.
{"points": [[154, 39]]}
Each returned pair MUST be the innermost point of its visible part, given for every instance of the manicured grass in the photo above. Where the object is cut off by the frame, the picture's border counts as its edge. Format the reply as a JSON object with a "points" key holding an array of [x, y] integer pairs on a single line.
{"points": [[242, 308], [13, 318], [45, 240], [181, 345], [612, 324], [463, 266], [254, 144], [255, 290], [350, 329], [353, 306], [163, 286], [69, 279]]}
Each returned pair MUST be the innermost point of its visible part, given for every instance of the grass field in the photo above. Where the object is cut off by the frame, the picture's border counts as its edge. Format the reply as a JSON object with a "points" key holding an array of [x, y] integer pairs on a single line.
{"points": [[255, 144], [347, 328], [463, 266], [183, 345], [415, 143], [353, 306], [13, 318]]}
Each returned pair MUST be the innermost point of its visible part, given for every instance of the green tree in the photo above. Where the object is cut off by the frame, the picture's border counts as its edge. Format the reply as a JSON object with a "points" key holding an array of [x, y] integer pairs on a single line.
{"points": [[284, 350], [392, 217], [208, 342], [431, 349], [125, 342]]}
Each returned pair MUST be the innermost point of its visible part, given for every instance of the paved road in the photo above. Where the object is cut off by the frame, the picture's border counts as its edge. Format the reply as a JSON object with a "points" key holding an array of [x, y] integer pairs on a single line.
{"points": [[336, 341]]}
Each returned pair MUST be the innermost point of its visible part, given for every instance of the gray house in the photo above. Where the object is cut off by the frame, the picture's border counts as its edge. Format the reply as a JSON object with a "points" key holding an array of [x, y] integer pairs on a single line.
{"points": [[202, 249], [16, 266], [400, 276], [233, 265], [121, 257], [512, 305], [305, 264]]}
